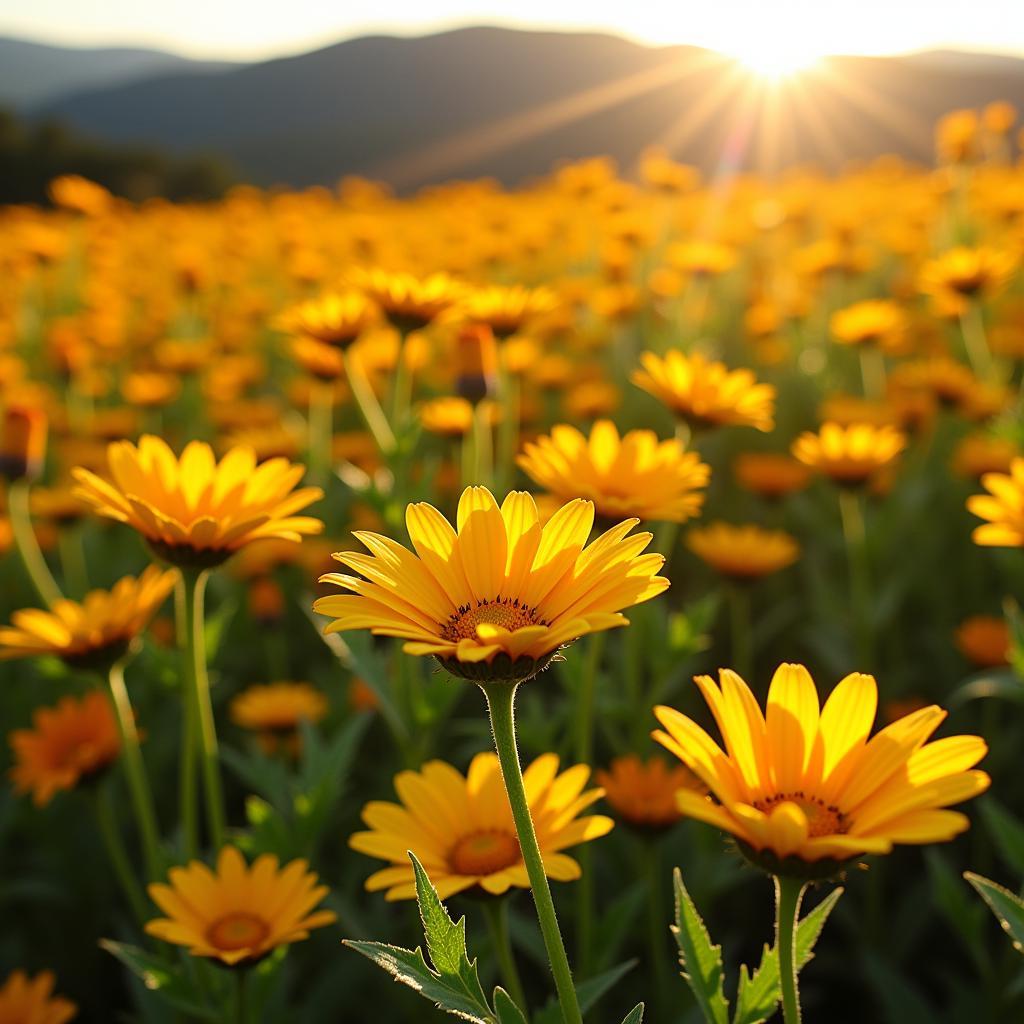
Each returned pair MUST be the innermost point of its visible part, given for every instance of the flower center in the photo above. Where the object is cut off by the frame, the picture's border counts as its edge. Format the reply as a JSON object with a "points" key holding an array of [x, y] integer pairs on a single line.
{"points": [[237, 931], [507, 612], [483, 853], [822, 819]]}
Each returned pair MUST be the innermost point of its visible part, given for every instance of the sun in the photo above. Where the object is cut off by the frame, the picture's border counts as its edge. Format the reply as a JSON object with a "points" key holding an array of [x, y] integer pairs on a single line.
{"points": [[771, 59]]}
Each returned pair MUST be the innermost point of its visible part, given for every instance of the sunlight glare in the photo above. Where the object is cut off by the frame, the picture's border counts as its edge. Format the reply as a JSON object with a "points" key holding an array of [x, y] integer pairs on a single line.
{"points": [[772, 58]]}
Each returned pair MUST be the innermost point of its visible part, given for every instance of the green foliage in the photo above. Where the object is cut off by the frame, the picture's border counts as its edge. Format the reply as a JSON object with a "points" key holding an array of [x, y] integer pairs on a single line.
{"points": [[1006, 831], [587, 992], [1007, 906], [635, 1016], [758, 993], [169, 980], [450, 981]]}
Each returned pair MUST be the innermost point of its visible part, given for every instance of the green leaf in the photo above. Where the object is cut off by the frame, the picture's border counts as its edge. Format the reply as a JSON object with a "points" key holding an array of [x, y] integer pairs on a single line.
{"points": [[1007, 833], [965, 915], [163, 978], [1004, 685], [635, 1016], [700, 960], [505, 1009], [758, 994], [1007, 906], [451, 982]]}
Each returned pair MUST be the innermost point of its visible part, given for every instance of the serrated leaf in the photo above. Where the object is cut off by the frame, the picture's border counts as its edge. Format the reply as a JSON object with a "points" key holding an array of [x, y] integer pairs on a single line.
{"points": [[701, 961], [451, 981], [1007, 832], [505, 1008], [758, 994], [1007, 906], [163, 978], [635, 1016]]}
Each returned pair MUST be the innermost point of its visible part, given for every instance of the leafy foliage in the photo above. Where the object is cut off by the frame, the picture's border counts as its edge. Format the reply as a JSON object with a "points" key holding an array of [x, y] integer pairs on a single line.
{"points": [[1007, 906]]}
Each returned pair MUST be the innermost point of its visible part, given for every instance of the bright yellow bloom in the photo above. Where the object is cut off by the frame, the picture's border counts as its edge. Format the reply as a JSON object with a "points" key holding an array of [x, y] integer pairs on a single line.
{"points": [[984, 640], [461, 827], [849, 455], [71, 742], [804, 784], [73, 192], [1003, 507], [874, 322], [506, 309], [963, 273], [635, 475], [452, 415], [497, 598], [97, 631], [241, 913], [643, 793], [278, 707], [336, 319], [25, 1000], [408, 302], [770, 474], [705, 393], [702, 258], [743, 552], [193, 510], [978, 454]]}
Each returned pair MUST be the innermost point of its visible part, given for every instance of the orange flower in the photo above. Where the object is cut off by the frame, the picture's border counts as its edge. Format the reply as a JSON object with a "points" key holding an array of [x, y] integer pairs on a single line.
{"points": [[984, 640], [643, 793], [25, 1000]]}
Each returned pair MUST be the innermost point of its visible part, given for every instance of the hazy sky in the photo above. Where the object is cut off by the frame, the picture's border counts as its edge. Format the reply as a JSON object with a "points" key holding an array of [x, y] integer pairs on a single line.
{"points": [[248, 29]]}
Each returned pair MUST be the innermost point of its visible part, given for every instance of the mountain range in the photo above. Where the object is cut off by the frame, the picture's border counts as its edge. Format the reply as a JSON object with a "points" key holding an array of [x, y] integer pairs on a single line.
{"points": [[509, 103]]}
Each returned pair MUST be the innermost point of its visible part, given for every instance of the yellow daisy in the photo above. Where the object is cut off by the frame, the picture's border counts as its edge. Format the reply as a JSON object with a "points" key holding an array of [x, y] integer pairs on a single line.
{"points": [[743, 552], [336, 318], [705, 393], [97, 631], [240, 913], [804, 785], [643, 793], [193, 510], [849, 455], [1003, 507], [635, 475], [461, 827], [25, 1000], [498, 596]]}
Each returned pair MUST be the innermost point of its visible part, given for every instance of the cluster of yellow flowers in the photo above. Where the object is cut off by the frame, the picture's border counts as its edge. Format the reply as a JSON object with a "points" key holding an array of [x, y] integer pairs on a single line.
{"points": [[637, 352]]}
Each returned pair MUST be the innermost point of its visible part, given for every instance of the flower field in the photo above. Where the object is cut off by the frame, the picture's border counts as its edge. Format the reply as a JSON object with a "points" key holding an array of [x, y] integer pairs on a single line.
{"points": [[625, 568]]}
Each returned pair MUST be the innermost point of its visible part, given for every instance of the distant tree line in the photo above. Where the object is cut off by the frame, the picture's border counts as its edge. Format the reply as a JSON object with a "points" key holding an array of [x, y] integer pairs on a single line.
{"points": [[32, 153]]}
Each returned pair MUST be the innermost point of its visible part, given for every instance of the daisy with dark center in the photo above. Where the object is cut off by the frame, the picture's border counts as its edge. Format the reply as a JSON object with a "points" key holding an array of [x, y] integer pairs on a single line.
{"points": [[643, 793], [274, 711], [239, 913], [493, 599]]}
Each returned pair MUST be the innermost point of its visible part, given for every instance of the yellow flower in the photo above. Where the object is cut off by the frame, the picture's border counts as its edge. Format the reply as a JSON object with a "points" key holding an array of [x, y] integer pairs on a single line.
{"points": [[635, 475], [706, 393], [506, 309], [73, 192], [461, 827], [770, 474], [275, 711], [193, 510], [849, 455], [97, 631], [978, 454], [497, 598], [25, 1000], [67, 744], [409, 302], [702, 258], [743, 552], [984, 640], [238, 914], [452, 415], [336, 318], [1003, 507], [964, 273], [643, 793], [874, 322], [803, 784]]}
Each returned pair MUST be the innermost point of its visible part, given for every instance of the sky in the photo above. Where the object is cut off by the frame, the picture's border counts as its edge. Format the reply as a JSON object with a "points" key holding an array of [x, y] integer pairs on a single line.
{"points": [[258, 29]]}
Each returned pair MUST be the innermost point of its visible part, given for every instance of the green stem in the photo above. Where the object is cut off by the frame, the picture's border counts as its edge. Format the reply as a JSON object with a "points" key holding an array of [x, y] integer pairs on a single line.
{"points": [[28, 546], [508, 428], [369, 406], [241, 996], [788, 894], [72, 560], [401, 396], [872, 369], [189, 812], [855, 537], [501, 704], [321, 431], [118, 857], [496, 912], [740, 630], [483, 446], [202, 708], [135, 771], [972, 326]]}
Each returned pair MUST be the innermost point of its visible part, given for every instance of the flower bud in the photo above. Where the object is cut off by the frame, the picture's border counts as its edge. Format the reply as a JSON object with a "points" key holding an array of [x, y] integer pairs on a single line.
{"points": [[22, 442], [476, 362]]}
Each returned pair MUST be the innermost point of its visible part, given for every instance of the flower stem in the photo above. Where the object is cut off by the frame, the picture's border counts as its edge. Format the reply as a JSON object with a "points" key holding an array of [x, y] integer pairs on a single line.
{"points": [[187, 758], [483, 446], [872, 370], [116, 852], [972, 326], [855, 537], [321, 430], [500, 703], [788, 894], [508, 428], [369, 406], [202, 708], [28, 546], [135, 771], [496, 912], [241, 996]]}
